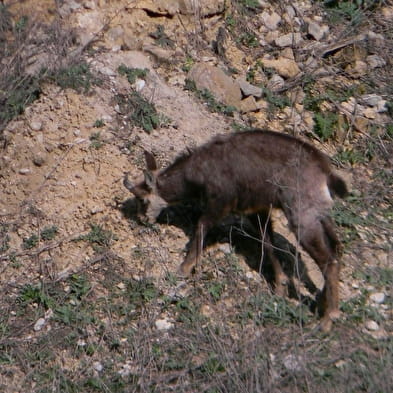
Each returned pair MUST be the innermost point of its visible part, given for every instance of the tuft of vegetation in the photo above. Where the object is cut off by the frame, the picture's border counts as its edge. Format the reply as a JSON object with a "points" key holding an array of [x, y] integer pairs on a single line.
{"points": [[132, 73], [4, 238], [325, 124], [48, 233], [275, 100], [98, 237], [99, 123], [162, 39], [140, 112], [77, 76], [95, 140]]}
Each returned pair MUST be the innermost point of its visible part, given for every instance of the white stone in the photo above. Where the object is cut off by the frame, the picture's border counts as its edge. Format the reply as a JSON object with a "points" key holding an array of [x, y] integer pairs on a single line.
{"points": [[139, 84], [98, 366], [372, 326], [24, 171], [36, 125], [370, 99], [163, 324], [39, 324], [377, 297]]}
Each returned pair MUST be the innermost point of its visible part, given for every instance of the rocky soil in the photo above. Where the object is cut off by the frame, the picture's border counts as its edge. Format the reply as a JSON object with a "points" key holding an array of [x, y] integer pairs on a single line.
{"points": [[267, 64]]}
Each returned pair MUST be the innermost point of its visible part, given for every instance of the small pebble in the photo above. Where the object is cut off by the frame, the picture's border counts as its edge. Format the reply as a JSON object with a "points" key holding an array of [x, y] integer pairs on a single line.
{"points": [[372, 326], [378, 297], [39, 324], [24, 171], [163, 324]]}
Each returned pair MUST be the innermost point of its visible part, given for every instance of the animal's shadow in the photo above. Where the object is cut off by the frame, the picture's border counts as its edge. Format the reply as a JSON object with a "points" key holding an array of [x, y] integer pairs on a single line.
{"points": [[238, 231]]}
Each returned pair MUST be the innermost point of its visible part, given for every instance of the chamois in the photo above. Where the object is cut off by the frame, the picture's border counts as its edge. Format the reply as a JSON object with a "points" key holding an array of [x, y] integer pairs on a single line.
{"points": [[250, 173]]}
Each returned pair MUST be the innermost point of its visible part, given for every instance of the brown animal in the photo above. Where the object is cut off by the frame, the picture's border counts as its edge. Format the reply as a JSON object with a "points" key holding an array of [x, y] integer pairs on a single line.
{"points": [[250, 173]]}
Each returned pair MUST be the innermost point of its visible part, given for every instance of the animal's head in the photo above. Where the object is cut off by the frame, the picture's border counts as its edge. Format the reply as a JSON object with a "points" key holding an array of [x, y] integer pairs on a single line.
{"points": [[150, 203]]}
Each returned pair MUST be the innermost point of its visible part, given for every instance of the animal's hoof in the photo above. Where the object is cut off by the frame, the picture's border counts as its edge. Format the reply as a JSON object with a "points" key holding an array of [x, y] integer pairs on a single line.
{"points": [[281, 289], [334, 315], [326, 324], [184, 272]]}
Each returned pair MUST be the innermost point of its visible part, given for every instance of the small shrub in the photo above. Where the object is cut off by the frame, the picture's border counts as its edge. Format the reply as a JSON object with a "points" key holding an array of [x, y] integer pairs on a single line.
{"points": [[30, 242], [132, 73], [139, 111], [98, 237], [76, 76], [4, 238], [95, 140], [162, 38], [325, 124], [99, 123], [49, 233]]}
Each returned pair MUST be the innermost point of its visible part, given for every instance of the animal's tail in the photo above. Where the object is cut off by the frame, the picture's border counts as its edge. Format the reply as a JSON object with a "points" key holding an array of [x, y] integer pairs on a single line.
{"points": [[337, 185]]}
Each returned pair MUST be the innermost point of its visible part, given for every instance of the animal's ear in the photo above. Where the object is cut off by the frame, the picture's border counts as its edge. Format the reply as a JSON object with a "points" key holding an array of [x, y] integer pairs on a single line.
{"points": [[150, 161], [150, 179]]}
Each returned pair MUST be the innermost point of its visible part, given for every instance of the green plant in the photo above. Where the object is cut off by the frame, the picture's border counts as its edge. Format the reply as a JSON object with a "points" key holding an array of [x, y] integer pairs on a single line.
{"points": [[99, 123], [141, 291], [49, 233], [275, 100], [189, 62], [339, 11], [358, 310], [18, 97], [249, 6], [34, 294], [267, 309], [325, 124], [213, 365], [162, 38], [215, 290], [132, 73], [76, 76], [248, 39], [21, 23], [98, 237], [95, 140], [140, 112], [4, 238], [348, 155], [30, 242]]}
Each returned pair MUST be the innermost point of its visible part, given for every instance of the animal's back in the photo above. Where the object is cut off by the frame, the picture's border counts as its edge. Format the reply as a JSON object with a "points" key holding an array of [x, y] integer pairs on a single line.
{"points": [[256, 162]]}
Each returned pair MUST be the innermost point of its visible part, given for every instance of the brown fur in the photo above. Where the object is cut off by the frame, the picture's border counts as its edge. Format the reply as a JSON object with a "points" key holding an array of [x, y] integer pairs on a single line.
{"points": [[250, 173]]}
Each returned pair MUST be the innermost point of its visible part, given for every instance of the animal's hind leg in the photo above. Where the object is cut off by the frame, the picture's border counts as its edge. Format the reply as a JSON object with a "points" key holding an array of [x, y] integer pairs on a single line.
{"points": [[320, 241], [264, 228]]}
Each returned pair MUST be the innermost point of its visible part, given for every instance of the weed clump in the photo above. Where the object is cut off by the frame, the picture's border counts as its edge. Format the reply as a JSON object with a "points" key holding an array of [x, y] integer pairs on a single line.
{"points": [[138, 111]]}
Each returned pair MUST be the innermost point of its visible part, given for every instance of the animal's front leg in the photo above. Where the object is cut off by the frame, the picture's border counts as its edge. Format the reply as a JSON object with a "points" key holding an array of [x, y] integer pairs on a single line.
{"points": [[196, 246]]}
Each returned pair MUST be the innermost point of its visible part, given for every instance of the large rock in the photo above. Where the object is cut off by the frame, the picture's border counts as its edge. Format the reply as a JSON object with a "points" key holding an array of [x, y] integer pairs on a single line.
{"points": [[185, 7], [285, 67], [222, 86]]}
